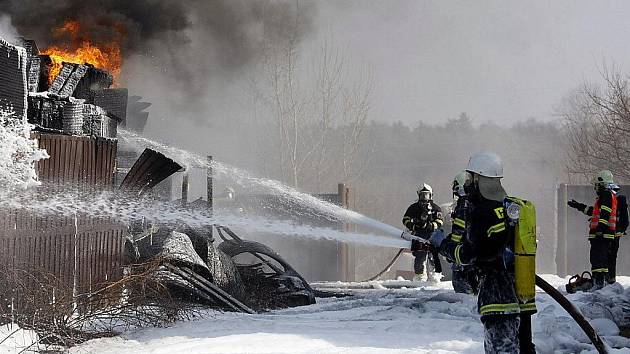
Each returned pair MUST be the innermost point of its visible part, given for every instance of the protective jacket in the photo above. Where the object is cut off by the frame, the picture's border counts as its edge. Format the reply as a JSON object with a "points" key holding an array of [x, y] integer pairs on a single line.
{"points": [[603, 222], [622, 215], [464, 277], [458, 219], [423, 220], [484, 245]]}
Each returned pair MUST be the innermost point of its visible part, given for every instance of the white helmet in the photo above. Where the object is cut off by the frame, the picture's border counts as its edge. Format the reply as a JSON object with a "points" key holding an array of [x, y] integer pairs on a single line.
{"points": [[425, 192], [603, 178], [487, 164]]}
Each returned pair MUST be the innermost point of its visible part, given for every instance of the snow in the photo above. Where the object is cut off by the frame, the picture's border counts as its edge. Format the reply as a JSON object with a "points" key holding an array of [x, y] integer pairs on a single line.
{"points": [[382, 317], [18, 153], [14, 339]]}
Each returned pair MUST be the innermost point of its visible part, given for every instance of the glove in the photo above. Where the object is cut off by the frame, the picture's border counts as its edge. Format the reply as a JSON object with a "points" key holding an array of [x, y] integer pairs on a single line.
{"points": [[576, 205], [437, 237]]}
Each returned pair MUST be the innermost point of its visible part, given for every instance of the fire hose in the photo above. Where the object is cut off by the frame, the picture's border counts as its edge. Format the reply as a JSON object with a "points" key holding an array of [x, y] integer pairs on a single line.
{"points": [[597, 341]]}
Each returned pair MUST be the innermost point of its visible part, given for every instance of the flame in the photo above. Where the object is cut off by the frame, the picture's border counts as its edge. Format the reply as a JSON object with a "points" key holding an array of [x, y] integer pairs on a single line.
{"points": [[82, 50]]}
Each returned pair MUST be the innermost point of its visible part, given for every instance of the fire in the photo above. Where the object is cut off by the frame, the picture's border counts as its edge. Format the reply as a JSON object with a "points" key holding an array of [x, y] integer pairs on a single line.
{"points": [[82, 50]]}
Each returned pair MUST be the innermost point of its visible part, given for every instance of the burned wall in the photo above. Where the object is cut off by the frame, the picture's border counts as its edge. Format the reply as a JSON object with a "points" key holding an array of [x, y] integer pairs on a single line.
{"points": [[13, 83]]}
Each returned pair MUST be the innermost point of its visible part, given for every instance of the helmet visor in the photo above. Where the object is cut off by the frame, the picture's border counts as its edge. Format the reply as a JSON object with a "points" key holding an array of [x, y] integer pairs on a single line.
{"points": [[424, 196], [469, 179]]}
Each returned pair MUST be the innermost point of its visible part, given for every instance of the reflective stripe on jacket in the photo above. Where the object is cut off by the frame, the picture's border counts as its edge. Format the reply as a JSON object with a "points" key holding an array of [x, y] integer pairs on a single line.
{"points": [[604, 217]]}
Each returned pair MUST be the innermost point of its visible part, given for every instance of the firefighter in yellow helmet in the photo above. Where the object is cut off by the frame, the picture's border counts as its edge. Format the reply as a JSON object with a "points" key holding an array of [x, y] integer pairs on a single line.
{"points": [[602, 225]]}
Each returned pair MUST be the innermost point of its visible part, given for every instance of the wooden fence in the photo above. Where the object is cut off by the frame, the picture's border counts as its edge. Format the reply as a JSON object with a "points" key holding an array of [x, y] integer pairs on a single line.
{"points": [[79, 252], [77, 159]]}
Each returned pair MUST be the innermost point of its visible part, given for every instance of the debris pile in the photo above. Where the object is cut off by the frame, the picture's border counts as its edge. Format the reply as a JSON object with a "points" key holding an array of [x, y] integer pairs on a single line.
{"points": [[78, 100]]}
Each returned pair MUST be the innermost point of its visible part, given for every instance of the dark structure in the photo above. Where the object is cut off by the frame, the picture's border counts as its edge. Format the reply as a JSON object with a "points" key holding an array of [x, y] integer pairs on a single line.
{"points": [[236, 275], [13, 90], [81, 253], [76, 120]]}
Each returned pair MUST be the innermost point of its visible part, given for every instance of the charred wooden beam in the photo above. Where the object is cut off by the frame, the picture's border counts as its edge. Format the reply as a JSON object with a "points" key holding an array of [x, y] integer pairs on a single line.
{"points": [[33, 74], [93, 81], [61, 78], [137, 117], [150, 169], [73, 80], [114, 101]]}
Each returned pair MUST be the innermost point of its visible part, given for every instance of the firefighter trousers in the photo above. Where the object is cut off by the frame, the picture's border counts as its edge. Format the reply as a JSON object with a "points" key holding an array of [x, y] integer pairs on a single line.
{"points": [[501, 334], [612, 260], [421, 256], [465, 279], [525, 337], [599, 257]]}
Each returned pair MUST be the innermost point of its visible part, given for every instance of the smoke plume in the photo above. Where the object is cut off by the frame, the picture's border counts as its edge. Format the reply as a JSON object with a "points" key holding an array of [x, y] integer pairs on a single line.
{"points": [[188, 39], [6, 29]]}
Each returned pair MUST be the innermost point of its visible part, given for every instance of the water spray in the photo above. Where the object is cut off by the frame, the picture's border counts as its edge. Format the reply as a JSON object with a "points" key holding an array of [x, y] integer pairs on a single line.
{"points": [[243, 178]]}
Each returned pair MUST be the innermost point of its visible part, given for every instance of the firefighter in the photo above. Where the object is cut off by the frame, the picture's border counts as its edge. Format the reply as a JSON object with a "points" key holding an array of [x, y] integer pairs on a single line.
{"points": [[622, 226], [421, 219], [602, 226], [464, 276], [486, 240]]}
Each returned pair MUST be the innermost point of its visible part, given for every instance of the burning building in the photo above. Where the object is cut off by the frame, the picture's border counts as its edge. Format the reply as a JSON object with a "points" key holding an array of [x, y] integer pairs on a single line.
{"points": [[70, 95], [75, 108]]}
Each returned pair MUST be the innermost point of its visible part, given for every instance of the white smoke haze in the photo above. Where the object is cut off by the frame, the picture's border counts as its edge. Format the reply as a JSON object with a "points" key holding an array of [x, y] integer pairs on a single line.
{"points": [[427, 68], [7, 31]]}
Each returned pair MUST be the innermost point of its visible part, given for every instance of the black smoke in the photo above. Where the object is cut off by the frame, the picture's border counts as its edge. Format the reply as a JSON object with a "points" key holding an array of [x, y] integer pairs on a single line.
{"points": [[188, 40]]}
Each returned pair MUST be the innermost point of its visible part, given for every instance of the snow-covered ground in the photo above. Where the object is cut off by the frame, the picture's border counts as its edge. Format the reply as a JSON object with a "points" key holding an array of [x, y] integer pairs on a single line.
{"points": [[425, 319]]}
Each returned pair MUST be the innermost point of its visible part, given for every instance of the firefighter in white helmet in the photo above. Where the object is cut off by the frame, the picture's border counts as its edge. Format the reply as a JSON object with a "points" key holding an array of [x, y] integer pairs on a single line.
{"points": [[421, 219], [488, 239]]}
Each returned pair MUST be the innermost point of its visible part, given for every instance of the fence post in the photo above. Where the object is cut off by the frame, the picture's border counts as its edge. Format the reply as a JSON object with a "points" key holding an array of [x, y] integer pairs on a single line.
{"points": [[185, 189], [561, 227], [209, 188], [209, 185], [346, 251]]}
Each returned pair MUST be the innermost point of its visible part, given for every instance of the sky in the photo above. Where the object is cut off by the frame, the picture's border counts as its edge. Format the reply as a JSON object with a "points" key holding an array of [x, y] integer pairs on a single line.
{"points": [[500, 61]]}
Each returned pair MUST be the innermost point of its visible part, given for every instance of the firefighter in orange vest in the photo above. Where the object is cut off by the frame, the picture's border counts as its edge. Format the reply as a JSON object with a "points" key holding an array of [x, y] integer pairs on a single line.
{"points": [[603, 225]]}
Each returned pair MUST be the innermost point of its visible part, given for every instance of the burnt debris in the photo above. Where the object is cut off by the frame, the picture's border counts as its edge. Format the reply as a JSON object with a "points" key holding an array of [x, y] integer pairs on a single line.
{"points": [[234, 275], [78, 101]]}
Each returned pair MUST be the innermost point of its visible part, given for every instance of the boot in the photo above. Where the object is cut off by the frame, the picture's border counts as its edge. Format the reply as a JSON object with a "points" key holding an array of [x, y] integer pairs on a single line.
{"points": [[598, 281], [434, 277], [420, 277]]}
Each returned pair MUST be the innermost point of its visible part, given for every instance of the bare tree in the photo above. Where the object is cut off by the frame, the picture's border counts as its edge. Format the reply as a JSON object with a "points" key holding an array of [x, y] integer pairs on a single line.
{"points": [[355, 114], [319, 117], [598, 127]]}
